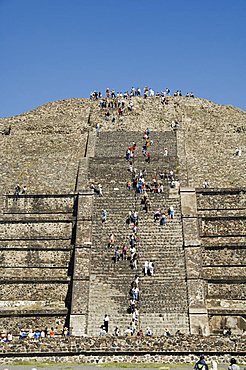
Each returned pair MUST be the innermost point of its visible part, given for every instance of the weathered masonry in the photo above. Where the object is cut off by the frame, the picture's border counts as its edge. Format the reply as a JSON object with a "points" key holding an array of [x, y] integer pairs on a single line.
{"points": [[55, 268]]}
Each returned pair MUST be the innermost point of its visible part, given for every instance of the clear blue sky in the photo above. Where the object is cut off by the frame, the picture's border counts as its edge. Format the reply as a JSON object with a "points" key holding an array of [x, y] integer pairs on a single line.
{"points": [[58, 49]]}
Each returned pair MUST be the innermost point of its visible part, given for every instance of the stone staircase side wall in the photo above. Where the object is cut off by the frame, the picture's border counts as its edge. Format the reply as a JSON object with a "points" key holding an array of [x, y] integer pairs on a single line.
{"points": [[91, 143], [82, 174], [82, 249], [181, 153], [81, 273], [198, 314]]}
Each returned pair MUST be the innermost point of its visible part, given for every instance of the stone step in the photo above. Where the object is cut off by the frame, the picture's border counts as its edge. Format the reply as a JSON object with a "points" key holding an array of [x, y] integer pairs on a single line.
{"points": [[111, 144], [122, 163]]}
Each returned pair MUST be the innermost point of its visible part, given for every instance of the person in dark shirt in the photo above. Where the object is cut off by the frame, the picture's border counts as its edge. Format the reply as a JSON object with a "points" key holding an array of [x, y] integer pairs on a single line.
{"points": [[201, 364]]}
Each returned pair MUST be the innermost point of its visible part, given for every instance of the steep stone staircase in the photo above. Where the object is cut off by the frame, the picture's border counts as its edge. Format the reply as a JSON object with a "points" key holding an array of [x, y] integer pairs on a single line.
{"points": [[163, 297]]}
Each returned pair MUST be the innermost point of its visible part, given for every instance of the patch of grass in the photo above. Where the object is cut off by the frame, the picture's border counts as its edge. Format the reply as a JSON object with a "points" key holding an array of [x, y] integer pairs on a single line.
{"points": [[39, 364], [133, 365], [147, 365], [33, 363]]}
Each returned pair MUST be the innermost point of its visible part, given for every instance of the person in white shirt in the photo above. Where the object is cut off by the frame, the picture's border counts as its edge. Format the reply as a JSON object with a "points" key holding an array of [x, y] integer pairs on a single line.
{"points": [[151, 268], [146, 267]]}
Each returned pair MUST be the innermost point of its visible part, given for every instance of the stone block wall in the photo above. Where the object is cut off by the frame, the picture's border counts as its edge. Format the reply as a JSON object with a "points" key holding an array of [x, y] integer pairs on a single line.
{"points": [[158, 350], [35, 230], [224, 290], [44, 148], [211, 199], [30, 292], [33, 258], [20, 322], [35, 204], [211, 135], [224, 256], [222, 229], [41, 162], [36, 257], [223, 226]]}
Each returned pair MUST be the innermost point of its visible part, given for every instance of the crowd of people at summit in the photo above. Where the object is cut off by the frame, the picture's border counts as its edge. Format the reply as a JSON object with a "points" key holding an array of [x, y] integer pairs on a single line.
{"points": [[136, 91]]}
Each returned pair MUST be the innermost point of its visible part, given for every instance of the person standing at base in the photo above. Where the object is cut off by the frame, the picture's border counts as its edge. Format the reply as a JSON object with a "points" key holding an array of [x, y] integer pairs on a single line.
{"points": [[106, 322], [233, 365], [116, 332], [201, 364]]}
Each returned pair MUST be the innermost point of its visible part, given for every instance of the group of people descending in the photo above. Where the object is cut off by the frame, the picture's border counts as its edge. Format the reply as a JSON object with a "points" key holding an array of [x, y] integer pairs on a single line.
{"points": [[19, 191], [146, 145], [121, 102], [132, 222], [131, 246], [175, 124], [129, 249], [118, 104], [97, 189], [130, 152], [133, 307], [148, 268], [118, 101], [161, 217], [138, 182], [170, 179]]}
